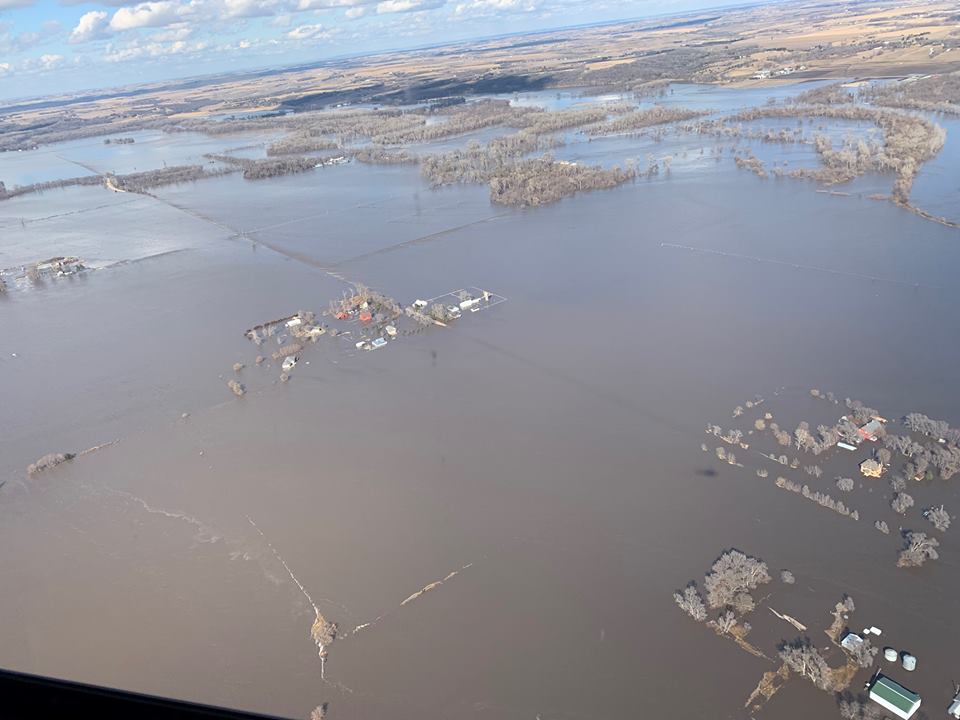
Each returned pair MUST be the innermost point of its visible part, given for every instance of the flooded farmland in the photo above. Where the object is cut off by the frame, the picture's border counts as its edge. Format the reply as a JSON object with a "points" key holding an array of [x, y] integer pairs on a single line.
{"points": [[495, 514]]}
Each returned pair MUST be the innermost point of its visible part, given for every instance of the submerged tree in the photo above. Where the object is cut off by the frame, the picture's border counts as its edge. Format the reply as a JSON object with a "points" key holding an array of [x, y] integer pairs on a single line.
{"points": [[691, 602], [901, 502], [938, 517], [864, 653], [805, 660], [919, 548], [732, 575]]}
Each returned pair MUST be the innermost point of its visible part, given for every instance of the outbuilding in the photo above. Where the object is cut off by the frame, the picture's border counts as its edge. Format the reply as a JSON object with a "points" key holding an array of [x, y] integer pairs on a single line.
{"points": [[851, 641], [893, 696]]}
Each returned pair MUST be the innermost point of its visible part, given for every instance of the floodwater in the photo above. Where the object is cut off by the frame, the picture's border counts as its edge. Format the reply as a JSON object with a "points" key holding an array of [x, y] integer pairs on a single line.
{"points": [[547, 450]]}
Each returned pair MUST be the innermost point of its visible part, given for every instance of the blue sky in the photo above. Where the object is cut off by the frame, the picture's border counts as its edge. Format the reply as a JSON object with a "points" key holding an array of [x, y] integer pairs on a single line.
{"points": [[52, 46]]}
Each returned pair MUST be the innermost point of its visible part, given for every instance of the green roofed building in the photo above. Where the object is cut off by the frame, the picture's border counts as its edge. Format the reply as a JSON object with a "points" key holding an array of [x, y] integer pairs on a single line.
{"points": [[894, 697]]}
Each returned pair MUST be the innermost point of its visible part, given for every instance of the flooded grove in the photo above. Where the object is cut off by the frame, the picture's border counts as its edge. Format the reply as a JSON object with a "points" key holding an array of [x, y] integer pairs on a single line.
{"points": [[545, 451]]}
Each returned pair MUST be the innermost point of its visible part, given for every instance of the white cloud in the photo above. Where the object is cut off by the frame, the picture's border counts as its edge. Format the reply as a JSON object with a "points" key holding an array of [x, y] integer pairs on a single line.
{"points": [[10, 4], [92, 25], [148, 14], [331, 4], [355, 12], [5, 68], [399, 6], [172, 34], [309, 32], [493, 7], [248, 8], [50, 61], [136, 50]]}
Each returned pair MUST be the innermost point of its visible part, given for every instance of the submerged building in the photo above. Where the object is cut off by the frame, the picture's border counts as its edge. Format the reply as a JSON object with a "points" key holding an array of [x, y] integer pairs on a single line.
{"points": [[894, 697]]}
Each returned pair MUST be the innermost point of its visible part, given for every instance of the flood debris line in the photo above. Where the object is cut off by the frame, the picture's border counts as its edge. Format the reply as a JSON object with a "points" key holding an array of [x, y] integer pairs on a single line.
{"points": [[415, 596], [206, 533], [51, 460], [793, 621], [770, 683], [366, 318], [796, 266], [323, 632]]}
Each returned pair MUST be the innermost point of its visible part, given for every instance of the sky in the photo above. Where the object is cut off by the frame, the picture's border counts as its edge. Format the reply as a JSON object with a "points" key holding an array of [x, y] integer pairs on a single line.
{"points": [[54, 46]]}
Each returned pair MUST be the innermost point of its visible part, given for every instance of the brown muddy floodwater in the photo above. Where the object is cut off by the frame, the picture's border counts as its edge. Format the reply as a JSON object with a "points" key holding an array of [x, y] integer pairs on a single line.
{"points": [[539, 460]]}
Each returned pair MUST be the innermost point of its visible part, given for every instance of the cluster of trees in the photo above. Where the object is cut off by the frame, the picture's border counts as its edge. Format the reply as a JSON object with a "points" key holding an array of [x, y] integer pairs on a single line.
{"points": [[732, 577], [748, 161], [649, 117], [141, 182], [936, 429], [818, 497], [828, 396], [51, 460], [375, 155], [932, 93], [833, 94], [918, 548], [6, 193], [458, 120], [803, 658], [901, 502], [845, 484], [945, 458], [728, 586], [938, 517], [236, 388], [543, 180], [825, 438], [550, 122], [289, 349], [859, 708], [478, 163], [300, 143], [323, 632], [908, 141], [882, 526], [268, 167], [729, 457]]}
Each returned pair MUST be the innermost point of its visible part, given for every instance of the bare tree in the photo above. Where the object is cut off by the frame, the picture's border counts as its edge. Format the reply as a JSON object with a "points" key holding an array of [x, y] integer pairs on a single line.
{"points": [[864, 653], [845, 484], [805, 660], [882, 527], [901, 502], [726, 622], [918, 549], [691, 602], [938, 517], [734, 573]]}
